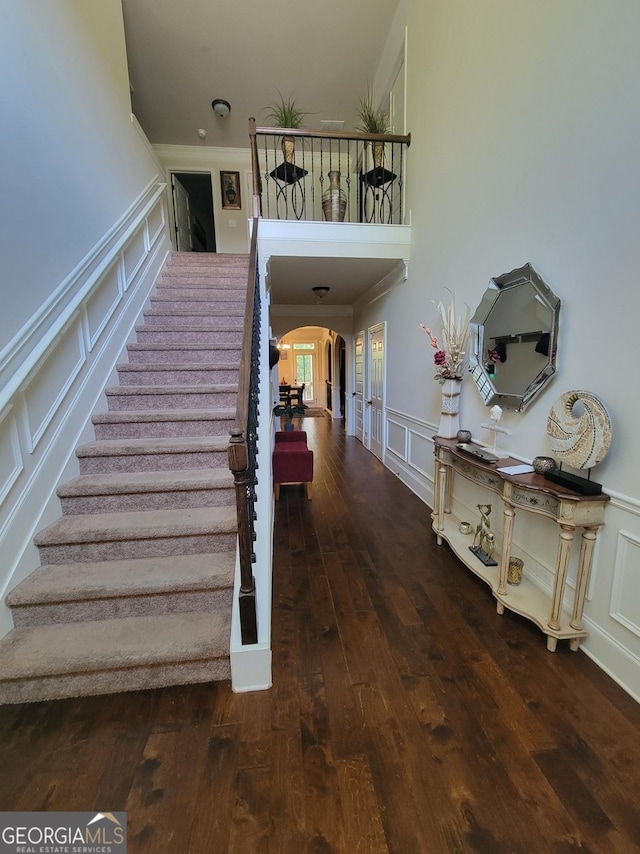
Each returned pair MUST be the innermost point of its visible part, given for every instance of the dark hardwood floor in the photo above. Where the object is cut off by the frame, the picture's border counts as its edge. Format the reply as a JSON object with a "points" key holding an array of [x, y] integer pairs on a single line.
{"points": [[405, 715]]}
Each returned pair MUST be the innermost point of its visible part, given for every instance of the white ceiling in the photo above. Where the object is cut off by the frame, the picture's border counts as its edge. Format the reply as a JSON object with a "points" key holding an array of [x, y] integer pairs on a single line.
{"points": [[184, 53], [349, 278]]}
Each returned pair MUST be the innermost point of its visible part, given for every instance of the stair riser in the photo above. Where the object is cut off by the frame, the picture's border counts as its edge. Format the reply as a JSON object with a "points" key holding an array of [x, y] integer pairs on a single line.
{"points": [[55, 613], [199, 336], [236, 284], [114, 681], [181, 272], [199, 293], [195, 322], [196, 356], [172, 500], [154, 462], [119, 402], [208, 262], [215, 306], [178, 376], [164, 429], [125, 549]]}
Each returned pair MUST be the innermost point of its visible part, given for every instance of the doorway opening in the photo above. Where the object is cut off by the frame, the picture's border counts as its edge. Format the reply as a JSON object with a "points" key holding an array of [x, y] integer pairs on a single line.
{"points": [[314, 357], [193, 211]]}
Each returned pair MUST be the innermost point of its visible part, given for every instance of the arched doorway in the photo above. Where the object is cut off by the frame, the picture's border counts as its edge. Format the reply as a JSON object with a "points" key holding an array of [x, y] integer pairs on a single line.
{"points": [[318, 357]]}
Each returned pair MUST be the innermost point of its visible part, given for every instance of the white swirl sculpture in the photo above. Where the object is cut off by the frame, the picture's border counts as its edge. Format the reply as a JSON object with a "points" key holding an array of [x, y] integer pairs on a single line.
{"points": [[581, 441]]}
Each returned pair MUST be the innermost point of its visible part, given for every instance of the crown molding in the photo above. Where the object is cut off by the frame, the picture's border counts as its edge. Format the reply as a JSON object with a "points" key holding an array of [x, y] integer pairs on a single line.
{"points": [[395, 277], [201, 155]]}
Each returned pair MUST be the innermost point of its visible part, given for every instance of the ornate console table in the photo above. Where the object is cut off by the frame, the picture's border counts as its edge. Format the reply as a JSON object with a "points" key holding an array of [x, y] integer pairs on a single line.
{"points": [[532, 494]]}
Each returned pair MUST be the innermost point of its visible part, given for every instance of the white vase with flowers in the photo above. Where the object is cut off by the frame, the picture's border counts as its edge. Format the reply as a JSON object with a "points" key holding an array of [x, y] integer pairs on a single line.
{"points": [[449, 362]]}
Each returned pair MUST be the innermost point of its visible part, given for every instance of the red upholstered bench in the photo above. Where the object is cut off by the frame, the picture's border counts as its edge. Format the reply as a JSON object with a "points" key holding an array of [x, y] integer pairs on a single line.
{"points": [[292, 460]]}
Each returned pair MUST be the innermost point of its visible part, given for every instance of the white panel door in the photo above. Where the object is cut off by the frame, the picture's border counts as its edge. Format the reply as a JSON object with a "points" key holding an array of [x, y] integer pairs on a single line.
{"points": [[376, 397], [182, 214], [359, 386]]}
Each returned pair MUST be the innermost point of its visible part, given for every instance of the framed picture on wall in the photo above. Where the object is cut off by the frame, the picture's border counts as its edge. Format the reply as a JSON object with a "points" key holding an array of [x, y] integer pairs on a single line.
{"points": [[230, 189]]}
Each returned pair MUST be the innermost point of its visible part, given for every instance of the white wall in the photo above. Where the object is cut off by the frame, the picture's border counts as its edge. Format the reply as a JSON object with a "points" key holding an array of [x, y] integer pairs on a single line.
{"points": [[524, 126], [72, 161]]}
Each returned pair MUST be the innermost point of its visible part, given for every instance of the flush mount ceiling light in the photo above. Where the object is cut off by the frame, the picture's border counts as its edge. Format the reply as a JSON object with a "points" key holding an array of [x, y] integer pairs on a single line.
{"points": [[221, 108], [320, 292]]}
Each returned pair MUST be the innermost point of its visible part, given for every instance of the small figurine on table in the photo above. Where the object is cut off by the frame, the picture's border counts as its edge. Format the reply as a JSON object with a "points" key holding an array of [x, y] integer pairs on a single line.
{"points": [[484, 541]]}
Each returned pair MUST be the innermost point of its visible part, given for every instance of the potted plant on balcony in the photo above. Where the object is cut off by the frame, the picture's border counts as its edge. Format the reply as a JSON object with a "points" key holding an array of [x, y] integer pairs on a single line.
{"points": [[286, 114], [373, 120]]}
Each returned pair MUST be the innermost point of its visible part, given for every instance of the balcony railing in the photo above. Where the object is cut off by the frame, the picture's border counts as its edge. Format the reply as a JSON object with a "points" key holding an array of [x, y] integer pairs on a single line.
{"points": [[326, 175]]}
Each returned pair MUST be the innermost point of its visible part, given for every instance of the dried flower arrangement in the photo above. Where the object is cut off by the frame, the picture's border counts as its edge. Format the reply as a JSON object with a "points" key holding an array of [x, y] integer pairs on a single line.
{"points": [[449, 356]]}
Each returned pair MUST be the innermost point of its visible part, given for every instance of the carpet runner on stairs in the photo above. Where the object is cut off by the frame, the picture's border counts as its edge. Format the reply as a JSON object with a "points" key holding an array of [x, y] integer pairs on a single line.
{"points": [[135, 586]]}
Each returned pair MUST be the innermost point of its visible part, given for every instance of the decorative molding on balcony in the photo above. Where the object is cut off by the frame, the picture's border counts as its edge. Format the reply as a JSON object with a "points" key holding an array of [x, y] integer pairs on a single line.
{"points": [[397, 276], [334, 240], [174, 156]]}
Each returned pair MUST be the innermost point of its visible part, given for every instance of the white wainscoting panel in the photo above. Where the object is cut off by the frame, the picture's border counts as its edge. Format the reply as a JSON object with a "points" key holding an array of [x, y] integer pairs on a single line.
{"points": [[103, 301], [421, 454], [625, 598], [134, 254], [409, 452], [51, 379], [156, 223], [11, 463], [396, 438]]}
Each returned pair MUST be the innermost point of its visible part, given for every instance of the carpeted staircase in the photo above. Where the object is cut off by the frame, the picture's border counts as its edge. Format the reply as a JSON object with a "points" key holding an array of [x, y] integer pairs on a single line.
{"points": [[136, 580]]}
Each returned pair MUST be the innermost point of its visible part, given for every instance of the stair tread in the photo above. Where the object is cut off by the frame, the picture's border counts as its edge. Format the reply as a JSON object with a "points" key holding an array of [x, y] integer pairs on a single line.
{"points": [[164, 415], [138, 524], [173, 389], [115, 483], [201, 294], [115, 578], [67, 648], [177, 444], [177, 366], [206, 345], [223, 310]]}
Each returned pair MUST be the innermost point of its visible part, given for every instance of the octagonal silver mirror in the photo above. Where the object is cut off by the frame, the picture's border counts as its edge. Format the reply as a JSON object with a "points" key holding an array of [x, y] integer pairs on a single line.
{"points": [[513, 339]]}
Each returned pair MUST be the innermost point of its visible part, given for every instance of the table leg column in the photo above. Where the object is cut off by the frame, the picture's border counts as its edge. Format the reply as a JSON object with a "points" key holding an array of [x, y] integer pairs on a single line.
{"points": [[584, 569], [509, 517], [562, 565], [442, 493]]}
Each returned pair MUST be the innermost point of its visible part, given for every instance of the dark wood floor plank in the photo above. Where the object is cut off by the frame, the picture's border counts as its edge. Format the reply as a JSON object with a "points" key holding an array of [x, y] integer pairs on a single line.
{"points": [[216, 794], [361, 809], [251, 818], [323, 816], [417, 813], [344, 713]]}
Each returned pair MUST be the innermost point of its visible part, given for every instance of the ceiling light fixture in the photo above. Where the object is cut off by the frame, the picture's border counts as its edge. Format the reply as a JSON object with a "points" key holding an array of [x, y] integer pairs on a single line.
{"points": [[221, 108], [320, 291]]}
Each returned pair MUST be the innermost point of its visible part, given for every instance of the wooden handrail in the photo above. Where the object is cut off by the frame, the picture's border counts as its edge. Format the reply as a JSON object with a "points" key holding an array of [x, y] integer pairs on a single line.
{"points": [[238, 454], [255, 168], [329, 134]]}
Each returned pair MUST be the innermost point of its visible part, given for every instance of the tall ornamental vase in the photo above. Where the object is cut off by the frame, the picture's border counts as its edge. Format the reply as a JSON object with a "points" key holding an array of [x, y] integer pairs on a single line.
{"points": [[334, 200], [450, 409]]}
